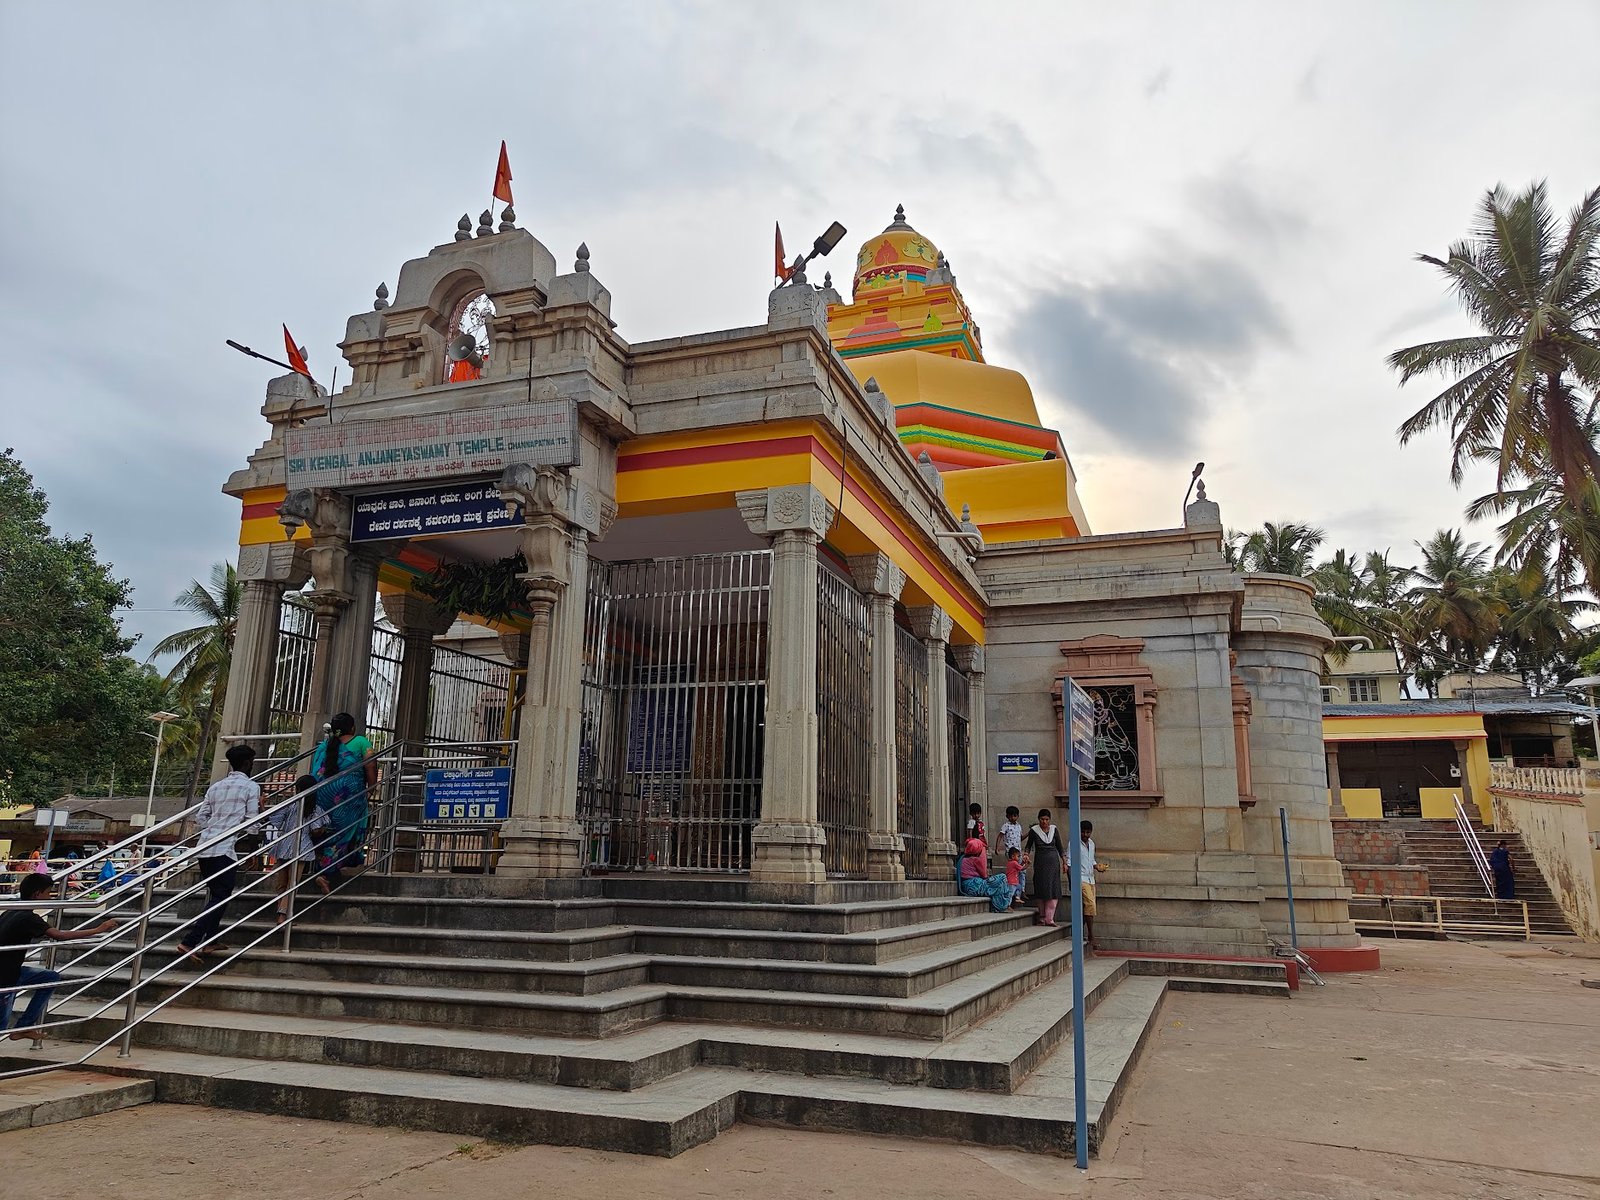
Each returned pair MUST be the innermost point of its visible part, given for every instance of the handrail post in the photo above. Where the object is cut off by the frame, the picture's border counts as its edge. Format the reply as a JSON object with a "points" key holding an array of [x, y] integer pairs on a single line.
{"points": [[1527, 929], [136, 967], [294, 884], [1438, 914]]}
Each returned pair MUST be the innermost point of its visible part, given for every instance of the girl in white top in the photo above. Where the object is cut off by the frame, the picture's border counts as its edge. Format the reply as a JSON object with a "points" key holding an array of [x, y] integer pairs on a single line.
{"points": [[297, 830]]}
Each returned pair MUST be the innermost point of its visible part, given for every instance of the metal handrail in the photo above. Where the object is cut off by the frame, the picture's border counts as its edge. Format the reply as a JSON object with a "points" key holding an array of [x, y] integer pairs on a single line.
{"points": [[1439, 924], [134, 960], [1474, 847], [377, 851]]}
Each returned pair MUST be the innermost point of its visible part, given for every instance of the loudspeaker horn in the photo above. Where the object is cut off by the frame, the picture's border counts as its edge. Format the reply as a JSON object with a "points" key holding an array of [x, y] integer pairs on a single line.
{"points": [[464, 348]]}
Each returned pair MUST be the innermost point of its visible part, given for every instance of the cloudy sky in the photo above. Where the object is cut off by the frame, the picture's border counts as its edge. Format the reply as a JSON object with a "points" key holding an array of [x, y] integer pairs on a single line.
{"points": [[1192, 225]]}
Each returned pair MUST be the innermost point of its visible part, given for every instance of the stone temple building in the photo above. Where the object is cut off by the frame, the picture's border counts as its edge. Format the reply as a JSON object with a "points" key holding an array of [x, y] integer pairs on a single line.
{"points": [[767, 607]]}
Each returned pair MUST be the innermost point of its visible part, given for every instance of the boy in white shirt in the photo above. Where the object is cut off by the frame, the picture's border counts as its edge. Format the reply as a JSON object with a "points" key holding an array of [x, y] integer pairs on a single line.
{"points": [[1090, 866], [1011, 839]]}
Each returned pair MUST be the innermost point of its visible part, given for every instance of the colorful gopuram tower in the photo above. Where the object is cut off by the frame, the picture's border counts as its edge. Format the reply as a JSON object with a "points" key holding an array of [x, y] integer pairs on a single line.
{"points": [[909, 328]]}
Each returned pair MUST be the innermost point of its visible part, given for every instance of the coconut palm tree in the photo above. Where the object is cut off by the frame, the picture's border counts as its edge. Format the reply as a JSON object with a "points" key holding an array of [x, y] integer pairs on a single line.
{"points": [[1539, 626], [1451, 605], [1521, 385], [1550, 530], [1277, 548], [204, 651]]}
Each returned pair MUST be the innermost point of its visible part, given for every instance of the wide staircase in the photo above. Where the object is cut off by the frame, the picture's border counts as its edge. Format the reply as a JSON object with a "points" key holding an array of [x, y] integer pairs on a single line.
{"points": [[1439, 846], [647, 1015]]}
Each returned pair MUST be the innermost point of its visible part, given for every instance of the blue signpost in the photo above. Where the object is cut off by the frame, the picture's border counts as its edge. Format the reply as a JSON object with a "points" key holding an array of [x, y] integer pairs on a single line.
{"points": [[1078, 713]]}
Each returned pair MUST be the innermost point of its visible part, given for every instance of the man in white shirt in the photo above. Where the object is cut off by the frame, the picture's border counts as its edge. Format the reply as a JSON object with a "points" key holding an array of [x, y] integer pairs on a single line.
{"points": [[1089, 866], [229, 803]]}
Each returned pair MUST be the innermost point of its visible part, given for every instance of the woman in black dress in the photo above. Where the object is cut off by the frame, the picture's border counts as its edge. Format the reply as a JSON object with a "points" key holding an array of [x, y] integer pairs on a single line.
{"points": [[1044, 841]]}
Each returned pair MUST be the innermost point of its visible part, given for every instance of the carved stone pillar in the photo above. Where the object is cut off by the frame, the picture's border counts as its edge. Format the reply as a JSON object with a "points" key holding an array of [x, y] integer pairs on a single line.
{"points": [[265, 573], [932, 625], [419, 622], [787, 842], [881, 580], [970, 660], [327, 515], [350, 669], [543, 836], [1335, 792], [515, 647], [1241, 733]]}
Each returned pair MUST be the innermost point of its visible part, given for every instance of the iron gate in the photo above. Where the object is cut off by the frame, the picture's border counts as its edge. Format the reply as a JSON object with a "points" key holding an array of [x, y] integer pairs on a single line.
{"points": [[674, 703], [958, 704], [911, 748], [844, 724], [291, 672]]}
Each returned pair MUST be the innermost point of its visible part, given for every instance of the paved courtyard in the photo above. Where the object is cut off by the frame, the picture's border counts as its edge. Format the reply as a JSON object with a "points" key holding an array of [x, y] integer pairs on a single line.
{"points": [[1457, 1071]]}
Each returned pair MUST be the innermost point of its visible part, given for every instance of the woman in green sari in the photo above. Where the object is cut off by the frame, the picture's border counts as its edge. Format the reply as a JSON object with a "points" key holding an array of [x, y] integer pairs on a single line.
{"points": [[342, 797]]}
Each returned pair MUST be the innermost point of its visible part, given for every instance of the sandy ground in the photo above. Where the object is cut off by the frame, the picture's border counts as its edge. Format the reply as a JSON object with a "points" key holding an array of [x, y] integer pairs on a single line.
{"points": [[1457, 1071]]}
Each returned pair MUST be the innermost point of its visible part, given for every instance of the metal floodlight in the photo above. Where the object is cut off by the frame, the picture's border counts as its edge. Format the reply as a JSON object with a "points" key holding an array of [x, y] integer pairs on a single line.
{"points": [[829, 239]]}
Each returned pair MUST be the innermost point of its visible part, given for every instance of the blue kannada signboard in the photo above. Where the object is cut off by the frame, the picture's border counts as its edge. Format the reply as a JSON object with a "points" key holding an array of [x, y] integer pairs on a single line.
{"points": [[447, 508], [1080, 731], [1017, 764], [467, 794]]}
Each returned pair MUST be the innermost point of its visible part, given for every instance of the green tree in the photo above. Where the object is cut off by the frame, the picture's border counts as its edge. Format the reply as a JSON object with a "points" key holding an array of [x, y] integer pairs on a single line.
{"points": [[200, 676], [1539, 629], [1521, 386], [72, 702], [1277, 548], [1451, 609]]}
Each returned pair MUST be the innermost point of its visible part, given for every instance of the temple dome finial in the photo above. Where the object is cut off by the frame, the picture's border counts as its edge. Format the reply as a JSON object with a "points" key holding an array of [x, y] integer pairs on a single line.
{"points": [[895, 257]]}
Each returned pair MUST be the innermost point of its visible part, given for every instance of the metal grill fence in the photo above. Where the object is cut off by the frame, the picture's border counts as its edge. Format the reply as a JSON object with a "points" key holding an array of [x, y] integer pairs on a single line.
{"points": [[674, 699], [844, 723], [468, 696], [958, 705], [383, 682], [911, 748], [291, 674]]}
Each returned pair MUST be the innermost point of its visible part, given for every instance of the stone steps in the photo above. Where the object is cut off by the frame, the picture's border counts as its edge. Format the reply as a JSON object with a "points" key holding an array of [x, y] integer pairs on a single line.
{"points": [[677, 1109], [592, 942], [993, 1056], [48, 1099], [904, 977], [936, 1012]]}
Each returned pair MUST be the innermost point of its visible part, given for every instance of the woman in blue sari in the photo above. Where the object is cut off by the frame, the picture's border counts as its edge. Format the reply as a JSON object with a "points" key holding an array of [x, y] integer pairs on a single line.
{"points": [[342, 798]]}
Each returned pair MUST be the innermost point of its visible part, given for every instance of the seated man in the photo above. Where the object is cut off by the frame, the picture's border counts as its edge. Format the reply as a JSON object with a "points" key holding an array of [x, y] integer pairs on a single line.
{"points": [[23, 927]]}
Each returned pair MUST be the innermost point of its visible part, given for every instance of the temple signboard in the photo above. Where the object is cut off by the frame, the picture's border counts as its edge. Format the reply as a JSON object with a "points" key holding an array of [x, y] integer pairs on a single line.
{"points": [[473, 442], [442, 508]]}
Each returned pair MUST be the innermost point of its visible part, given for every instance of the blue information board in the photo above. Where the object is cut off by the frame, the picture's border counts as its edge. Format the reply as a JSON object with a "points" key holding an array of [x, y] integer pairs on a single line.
{"points": [[1017, 764], [469, 794], [446, 508], [1080, 731]]}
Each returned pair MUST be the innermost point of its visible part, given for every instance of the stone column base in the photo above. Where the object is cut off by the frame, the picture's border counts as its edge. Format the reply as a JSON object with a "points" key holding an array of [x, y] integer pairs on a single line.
{"points": [[546, 847], [787, 852], [941, 860], [886, 857]]}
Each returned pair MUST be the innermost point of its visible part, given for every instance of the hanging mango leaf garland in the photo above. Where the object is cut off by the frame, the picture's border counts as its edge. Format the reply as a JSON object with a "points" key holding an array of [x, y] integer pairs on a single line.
{"points": [[491, 590]]}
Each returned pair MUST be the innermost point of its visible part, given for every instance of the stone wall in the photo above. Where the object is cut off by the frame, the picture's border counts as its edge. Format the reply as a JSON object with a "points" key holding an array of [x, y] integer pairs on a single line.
{"points": [[1367, 842], [1555, 831], [1179, 876], [1374, 879]]}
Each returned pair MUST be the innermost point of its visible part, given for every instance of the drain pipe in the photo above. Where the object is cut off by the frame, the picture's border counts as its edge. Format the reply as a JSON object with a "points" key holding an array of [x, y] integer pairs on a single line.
{"points": [[1288, 881]]}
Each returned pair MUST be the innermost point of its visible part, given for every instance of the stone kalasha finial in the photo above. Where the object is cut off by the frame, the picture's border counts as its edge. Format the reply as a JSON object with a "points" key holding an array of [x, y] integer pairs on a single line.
{"points": [[485, 223], [382, 301], [970, 528], [899, 221], [464, 228], [827, 279], [508, 219], [930, 473], [1202, 511], [583, 257]]}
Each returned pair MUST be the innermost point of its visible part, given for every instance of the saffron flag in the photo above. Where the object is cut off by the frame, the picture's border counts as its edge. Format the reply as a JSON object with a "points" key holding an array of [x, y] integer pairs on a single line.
{"points": [[502, 177], [296, 360], [779, 268]]}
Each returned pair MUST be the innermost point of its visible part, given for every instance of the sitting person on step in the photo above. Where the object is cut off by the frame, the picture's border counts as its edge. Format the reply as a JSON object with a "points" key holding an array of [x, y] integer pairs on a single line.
{"points": [[974, 878]]}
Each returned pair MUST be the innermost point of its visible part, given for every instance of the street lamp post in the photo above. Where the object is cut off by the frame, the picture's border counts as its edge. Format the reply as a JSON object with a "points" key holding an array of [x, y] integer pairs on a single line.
{"points": [[161, 719]]}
